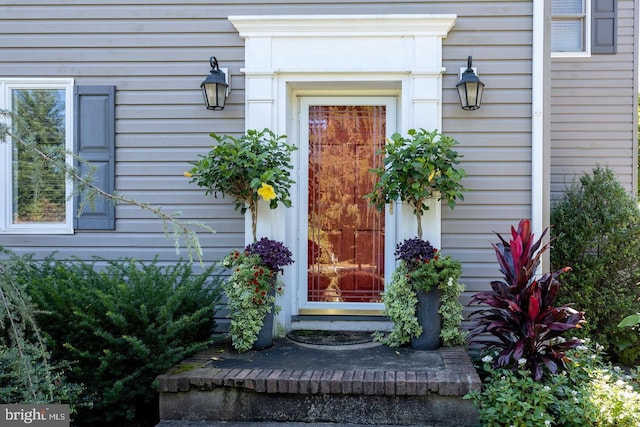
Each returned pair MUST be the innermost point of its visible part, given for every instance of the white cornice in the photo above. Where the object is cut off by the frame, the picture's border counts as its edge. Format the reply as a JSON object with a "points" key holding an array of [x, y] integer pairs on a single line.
{"points": [[342, 25]]}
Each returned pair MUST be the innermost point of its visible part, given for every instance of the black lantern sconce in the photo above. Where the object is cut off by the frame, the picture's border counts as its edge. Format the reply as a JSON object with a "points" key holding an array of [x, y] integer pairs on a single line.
{"points": [[215, 87], [470, 88]]}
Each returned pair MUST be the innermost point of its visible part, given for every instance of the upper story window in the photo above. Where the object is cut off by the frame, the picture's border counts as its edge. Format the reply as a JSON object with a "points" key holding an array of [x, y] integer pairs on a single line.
{"points": [[570, 27], [35, 194]]}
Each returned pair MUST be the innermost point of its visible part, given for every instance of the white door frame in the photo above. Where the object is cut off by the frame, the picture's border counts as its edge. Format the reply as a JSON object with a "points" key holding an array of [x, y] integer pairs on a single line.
{"points": [[287, 54]]}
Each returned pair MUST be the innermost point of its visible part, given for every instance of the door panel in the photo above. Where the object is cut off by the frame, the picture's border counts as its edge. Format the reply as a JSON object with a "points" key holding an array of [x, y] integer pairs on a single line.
{"points": [[345, 236]]}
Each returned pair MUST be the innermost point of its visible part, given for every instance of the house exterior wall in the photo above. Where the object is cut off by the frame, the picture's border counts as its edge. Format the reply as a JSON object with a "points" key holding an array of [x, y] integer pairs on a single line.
{"points": [[156, 54], [594, 110], [496, 139]]}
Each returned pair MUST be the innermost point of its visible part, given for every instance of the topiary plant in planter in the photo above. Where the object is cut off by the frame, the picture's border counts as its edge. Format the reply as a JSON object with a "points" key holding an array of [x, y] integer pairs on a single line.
{"points": [[423, 293], [416, 169], [256, 165], [422, 270]]}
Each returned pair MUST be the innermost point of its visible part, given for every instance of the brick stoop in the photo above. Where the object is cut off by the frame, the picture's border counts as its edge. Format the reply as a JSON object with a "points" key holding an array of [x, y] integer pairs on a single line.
{"points": [[292, 384]]}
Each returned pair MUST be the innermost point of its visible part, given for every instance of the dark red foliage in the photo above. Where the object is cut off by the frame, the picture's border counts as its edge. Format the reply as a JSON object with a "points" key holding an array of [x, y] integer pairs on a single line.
{"points": [[521, 314]]}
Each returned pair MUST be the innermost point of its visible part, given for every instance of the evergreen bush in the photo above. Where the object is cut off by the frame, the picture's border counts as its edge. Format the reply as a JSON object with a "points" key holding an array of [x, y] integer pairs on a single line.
{"points": [[123, 323], [27, 374], [596, 227]]}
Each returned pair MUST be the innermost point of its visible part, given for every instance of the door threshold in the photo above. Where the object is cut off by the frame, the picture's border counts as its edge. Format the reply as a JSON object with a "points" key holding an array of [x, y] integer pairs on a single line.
{"points": [[328, 317], [341, 323], [345, 312]]}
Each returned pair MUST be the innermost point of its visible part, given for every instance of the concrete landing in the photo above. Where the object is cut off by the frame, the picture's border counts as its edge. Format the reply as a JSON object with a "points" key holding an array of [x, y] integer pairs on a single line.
{"points": [[288, 383]]}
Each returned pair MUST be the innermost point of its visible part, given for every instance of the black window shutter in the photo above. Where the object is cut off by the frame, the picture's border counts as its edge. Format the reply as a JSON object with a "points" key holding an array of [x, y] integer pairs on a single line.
{"points": [[603, 26], [94, 142]]}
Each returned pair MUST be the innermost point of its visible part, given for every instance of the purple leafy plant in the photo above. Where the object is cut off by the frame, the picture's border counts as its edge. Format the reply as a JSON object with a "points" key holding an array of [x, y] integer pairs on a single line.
{"points": [[274, 255], [415, 252], [520, 314]]}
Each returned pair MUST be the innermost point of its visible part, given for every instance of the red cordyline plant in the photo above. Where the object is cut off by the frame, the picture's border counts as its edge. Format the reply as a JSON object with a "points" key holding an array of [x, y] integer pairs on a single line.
{"points": [[521, 314]]}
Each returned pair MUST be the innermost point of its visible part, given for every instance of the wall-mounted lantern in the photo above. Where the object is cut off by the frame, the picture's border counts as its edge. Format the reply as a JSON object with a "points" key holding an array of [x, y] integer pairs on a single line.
{"points": [[214, 87], [470, 88]]}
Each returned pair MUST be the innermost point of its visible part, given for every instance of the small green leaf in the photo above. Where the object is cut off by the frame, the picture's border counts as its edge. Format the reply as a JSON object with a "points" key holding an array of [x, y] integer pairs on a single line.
{"points": [[628, 321]]}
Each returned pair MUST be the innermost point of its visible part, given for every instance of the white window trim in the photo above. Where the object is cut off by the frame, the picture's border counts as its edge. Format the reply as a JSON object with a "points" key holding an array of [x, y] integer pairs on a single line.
{"points": [[6, 225], [586, 53]]}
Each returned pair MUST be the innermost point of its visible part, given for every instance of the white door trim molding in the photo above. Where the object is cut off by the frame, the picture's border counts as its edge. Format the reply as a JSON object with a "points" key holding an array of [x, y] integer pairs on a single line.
{"points": [[286, 55]]}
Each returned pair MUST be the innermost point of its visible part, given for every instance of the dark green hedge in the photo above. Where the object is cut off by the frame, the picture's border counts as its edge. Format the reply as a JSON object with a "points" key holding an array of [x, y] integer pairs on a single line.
{"points": [[596, 227], [121, 323]]}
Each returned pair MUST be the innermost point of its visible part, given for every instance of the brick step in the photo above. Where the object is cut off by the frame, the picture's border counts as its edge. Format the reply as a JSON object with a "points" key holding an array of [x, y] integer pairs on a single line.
{"points": [[287, 383], [328, 381]]}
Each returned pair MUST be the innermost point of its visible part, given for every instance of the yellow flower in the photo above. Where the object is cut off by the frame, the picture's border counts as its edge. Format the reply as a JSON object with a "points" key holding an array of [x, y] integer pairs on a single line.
{"points": [[266, 192], [188, 174]]}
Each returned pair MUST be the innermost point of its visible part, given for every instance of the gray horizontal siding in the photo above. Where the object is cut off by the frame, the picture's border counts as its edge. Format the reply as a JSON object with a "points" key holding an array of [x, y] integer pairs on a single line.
{"points": [[156, 53], [593, 111], [495, 140]]}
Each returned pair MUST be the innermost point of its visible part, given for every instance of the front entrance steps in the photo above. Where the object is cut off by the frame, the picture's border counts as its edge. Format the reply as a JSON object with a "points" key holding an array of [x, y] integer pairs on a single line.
{"points": [[288, 383], [341, 323]]}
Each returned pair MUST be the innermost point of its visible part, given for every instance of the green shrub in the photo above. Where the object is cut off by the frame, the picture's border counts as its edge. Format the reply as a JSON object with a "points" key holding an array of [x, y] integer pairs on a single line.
{"points": [[588, 393], [123, 325], [27, 376], [596, 227], [26, 373]]}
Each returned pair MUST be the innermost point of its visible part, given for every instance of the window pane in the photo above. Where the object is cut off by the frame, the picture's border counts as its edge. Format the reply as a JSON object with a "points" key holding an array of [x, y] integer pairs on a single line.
{"points": [[346, 235], [38, 185], [566, 36], [566, 7]]}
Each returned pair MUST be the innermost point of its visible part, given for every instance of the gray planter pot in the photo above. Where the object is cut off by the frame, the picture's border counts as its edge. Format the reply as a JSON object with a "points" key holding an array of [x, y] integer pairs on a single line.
{"points": [[429, 319], [265, 336]]}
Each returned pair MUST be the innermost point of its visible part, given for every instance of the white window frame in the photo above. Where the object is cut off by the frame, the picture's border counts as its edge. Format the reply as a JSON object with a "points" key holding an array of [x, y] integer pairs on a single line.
{"points": [[6, 190], [586, 42]]}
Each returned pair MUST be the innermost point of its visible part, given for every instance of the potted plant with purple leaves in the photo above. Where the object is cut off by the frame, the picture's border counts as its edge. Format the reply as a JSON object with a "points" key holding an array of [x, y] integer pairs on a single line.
{"points": [[252, 168], [521, 314], [424, 322], [417, 169], [251, 292]]}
